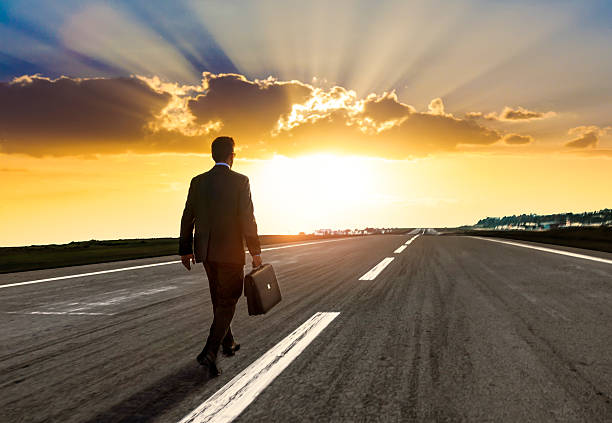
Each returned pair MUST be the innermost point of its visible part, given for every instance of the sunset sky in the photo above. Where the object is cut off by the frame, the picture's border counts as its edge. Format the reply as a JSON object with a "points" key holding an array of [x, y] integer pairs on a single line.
{"points": [[346, 114]]}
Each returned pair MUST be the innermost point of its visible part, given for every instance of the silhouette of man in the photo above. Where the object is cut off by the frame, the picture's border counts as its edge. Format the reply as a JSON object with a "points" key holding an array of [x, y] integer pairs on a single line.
{"points": [[220, 208]]}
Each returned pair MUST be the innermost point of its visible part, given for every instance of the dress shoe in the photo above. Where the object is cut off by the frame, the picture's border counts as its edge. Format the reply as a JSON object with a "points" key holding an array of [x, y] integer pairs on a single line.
{"points": [[209, 363], [231, 350]]}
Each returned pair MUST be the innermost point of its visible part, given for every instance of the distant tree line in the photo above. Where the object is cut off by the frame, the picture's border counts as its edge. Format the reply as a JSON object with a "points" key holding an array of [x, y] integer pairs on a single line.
{"points": [[601, 218]]}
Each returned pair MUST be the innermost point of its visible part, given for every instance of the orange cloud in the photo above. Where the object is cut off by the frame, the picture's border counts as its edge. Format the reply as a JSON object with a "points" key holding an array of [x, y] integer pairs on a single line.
{"points": [[586, 136], [176, 115], [436, 107], [517, 139]]}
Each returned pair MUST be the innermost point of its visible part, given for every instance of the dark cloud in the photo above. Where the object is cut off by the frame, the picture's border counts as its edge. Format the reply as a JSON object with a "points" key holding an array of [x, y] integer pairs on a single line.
{"points": [[74, 116], [517, 139], [520, 114], [292, 118], [586, 136], [587, 140], [247, 109], [437, 132], [385, 108], [88, 116]]}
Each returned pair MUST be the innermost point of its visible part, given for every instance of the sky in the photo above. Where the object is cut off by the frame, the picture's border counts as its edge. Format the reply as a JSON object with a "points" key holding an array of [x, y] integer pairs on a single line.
{"points": [[346, 114]]}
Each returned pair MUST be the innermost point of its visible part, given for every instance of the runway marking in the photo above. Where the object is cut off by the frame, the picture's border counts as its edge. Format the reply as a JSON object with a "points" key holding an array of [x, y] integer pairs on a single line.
{"points": [[300, 245], [548, 250], [231, 400], [80, 275], [411, 239], [400, 249], [123, 269], [373, 272]]}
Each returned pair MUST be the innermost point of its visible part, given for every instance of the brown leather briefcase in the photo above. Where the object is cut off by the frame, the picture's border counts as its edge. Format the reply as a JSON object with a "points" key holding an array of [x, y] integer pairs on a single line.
{"points": [[261, 289]]}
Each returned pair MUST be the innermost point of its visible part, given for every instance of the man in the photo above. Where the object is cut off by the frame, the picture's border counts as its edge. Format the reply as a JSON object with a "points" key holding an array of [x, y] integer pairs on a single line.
{"points": [[219, 205]]}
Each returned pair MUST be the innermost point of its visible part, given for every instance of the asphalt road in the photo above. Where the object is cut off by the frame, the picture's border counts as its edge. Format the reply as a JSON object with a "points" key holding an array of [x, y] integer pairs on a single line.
{"points": [[453, 329]]}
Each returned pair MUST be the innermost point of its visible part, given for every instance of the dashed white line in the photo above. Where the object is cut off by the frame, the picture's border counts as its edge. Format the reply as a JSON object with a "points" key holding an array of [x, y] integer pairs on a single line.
{"points": [[231, 400], [400, 249], [123, 269], [548, 250], [411, 239], [373, 272], [406, 244]]}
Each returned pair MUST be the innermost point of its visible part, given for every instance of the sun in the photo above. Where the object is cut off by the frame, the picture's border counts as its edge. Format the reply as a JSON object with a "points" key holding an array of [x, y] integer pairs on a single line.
{"points": [[306, 192]]}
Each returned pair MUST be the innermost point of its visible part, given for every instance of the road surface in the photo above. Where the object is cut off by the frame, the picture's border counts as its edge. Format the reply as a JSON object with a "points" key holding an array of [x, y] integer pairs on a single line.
{"points": [[445, 329]]}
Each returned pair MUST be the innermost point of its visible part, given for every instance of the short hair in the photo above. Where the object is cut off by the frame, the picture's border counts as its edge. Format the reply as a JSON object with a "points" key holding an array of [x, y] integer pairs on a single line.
{"points": [[221, 148]]}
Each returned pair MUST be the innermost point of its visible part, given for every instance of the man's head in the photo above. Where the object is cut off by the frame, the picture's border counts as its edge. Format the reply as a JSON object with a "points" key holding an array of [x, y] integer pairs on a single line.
{"points": [[223, 150]]}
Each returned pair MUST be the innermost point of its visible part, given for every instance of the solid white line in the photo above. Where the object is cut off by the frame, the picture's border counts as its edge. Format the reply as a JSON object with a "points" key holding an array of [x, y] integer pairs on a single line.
{"points": [[57, 278], [400, 249], [299, 245], [411, 239], [548, 250], [231, 400], [373, 272]]}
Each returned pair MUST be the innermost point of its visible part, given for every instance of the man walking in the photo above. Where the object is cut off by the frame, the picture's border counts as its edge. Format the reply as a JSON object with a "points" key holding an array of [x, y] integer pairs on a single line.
{"points": [[220, 208]]}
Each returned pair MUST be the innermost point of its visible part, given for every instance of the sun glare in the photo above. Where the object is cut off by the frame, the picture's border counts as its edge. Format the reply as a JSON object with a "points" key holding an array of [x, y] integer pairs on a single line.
{"points": [[314, 190]]}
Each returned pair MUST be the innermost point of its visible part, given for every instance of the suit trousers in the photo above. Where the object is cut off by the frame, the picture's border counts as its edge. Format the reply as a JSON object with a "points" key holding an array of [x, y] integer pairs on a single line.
{"points": [[226, 284]]}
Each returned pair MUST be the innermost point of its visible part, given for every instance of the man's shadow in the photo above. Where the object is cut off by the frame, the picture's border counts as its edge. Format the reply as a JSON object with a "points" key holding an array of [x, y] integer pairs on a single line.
{"points": [[149, 403]]}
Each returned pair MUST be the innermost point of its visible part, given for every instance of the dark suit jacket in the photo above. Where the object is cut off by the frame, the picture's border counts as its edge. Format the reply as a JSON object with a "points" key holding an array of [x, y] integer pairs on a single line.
{"points": [[219, 205]]}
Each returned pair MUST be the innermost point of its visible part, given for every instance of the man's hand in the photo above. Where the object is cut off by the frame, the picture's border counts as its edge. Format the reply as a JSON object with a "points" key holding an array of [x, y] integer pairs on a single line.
{"points": [[186, 259], [256, 261]]}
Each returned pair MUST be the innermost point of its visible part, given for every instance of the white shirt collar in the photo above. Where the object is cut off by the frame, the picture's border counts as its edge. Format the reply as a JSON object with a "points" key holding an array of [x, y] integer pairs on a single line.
{"points": [[222, 164]]}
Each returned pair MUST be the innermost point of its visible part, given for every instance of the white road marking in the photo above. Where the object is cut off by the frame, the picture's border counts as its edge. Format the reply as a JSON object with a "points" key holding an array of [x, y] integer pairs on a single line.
{"points": [[231, 400], [406, 244], [548, 250], [400, 249], [299, 245], [373, 272], [411, 239], [80, 275], [123, 269]]}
